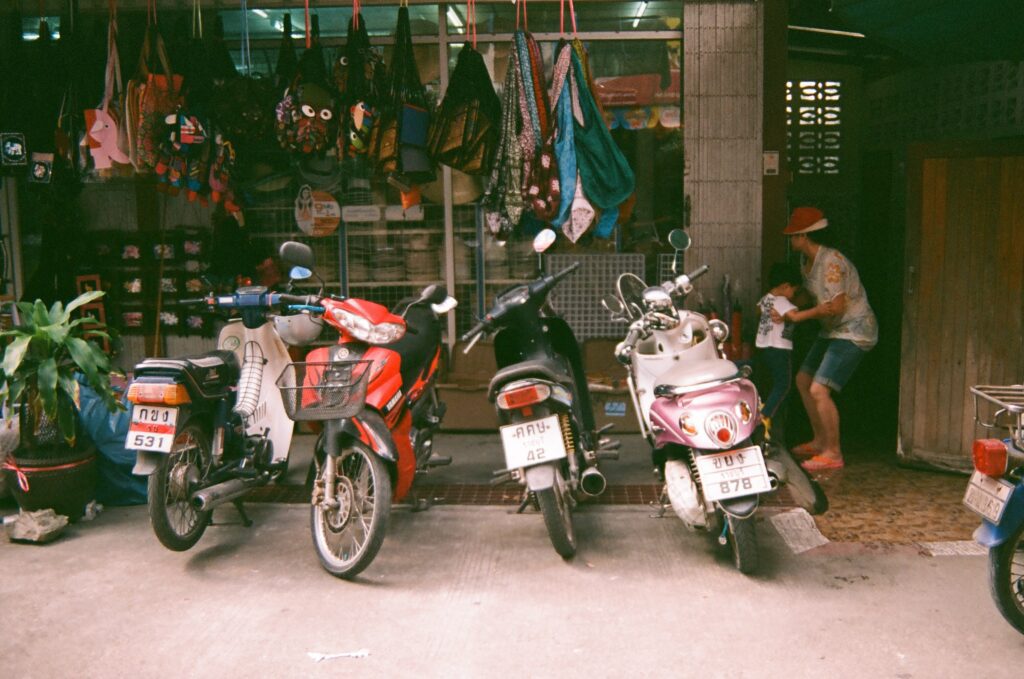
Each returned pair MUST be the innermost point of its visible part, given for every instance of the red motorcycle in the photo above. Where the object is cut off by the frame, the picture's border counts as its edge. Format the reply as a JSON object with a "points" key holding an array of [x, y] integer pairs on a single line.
{"points": [[374, 393]]}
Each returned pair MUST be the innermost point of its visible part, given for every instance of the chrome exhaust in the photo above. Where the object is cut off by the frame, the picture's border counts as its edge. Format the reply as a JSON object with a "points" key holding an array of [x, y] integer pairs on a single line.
{"points": [[592, 482], [776, 473], [206, 499]]}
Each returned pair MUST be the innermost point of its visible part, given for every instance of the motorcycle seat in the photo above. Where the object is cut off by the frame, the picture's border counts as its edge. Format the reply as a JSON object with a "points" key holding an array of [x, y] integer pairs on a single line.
{"points": [[699, 372], [211, 374], [544, 368]]}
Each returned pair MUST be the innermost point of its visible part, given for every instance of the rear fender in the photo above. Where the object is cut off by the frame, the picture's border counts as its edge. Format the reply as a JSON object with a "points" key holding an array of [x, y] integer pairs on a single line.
{"points": [[992, 535], [740, 507], [146, 462], [540, 477]]}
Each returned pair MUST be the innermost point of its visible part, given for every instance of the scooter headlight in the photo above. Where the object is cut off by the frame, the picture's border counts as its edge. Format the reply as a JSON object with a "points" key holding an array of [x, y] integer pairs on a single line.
{"points": [[365, 331]]}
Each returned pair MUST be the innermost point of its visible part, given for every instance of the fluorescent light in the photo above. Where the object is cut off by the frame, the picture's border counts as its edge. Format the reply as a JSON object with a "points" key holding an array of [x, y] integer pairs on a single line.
{"points": [[453, 16], [279, 26], [827, 31], [639, 13], [30, 36], [260, 13]]}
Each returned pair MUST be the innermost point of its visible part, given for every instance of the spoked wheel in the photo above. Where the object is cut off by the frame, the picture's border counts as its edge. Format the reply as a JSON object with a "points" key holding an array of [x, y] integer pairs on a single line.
{"points": [[177, 523], [743, 539], [1006, 578], [554, 504], [348, 534]]}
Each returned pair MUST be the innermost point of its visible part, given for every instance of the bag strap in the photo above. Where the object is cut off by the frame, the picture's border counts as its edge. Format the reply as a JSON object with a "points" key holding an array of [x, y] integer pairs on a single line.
{"points": [[197, 19], [246, 44], [522, 3], [309, 40], [561, 17], [471, 20], [113, 70]]}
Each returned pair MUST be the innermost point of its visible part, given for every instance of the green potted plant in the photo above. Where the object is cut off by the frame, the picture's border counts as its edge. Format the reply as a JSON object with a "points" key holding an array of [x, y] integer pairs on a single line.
{"points": [[47, 354]]}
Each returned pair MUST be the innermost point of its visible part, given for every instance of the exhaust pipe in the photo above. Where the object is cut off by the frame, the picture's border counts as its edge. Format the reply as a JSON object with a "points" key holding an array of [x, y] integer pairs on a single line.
{"points": [[206, 499], [592, 482], [776, 473]]}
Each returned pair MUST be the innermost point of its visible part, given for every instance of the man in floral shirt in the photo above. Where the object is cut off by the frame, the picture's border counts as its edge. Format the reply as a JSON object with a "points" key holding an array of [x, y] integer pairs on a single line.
{"points": [[848, 331]]}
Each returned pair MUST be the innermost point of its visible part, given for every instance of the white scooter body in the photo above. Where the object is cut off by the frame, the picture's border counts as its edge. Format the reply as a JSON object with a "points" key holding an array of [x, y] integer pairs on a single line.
{"points": [[263, 356]]}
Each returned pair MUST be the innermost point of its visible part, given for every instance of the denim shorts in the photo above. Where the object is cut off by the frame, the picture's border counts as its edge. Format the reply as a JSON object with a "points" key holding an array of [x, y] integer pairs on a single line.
{"points": [[832, 361]]}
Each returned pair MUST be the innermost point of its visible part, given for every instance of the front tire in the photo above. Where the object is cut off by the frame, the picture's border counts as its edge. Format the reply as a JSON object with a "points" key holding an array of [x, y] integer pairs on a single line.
{"points": [[554, 505], [743, 540], [347, 537], [1006, 578], [177, 523]]}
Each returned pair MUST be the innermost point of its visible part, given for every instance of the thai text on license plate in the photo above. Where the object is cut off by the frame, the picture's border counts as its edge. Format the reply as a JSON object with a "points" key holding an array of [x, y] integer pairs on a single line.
{"points": [[152, 428], [533, 442], [734, 473], [987, 496]]}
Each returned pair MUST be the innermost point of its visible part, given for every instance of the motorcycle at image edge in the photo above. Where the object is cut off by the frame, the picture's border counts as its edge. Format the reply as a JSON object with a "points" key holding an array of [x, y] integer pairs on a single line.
{"points": [[699, 412], [374, 393], [543, 404], [207, 429], [996, 493]]}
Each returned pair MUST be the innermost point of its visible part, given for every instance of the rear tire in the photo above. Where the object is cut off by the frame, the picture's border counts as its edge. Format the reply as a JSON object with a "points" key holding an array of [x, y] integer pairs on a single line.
{"points": [[554, 505], [743, 540], [177, 524], [348, 537], [1006, 578]]}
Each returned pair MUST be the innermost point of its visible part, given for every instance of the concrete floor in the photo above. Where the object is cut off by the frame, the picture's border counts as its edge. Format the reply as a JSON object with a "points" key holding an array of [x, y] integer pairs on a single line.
{"points": [[477, 591]]}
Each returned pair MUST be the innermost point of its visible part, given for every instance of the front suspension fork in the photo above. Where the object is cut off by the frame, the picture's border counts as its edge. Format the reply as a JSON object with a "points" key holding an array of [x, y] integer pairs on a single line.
{"points": [[332, 448]]}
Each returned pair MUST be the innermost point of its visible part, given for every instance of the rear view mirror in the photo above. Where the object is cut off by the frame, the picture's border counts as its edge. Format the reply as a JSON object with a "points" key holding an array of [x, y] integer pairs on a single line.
{"points": [[613, 305], [299, 256], [544, 240], [679, 239]]}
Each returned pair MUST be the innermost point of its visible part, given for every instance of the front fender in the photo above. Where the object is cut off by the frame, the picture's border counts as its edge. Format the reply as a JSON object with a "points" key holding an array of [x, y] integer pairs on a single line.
{"points": [[740, 507], [146, 462], [369, 427], [992, 535]]}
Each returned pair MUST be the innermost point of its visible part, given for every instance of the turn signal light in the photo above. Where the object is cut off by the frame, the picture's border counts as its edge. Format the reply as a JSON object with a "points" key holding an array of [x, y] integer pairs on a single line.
{"points": [[989, 457], [523, 396], [158, 394]]}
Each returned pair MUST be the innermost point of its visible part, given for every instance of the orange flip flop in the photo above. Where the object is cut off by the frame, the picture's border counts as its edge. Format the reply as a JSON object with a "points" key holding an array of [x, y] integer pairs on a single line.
{"points": [[820, 463], [805, 450]]}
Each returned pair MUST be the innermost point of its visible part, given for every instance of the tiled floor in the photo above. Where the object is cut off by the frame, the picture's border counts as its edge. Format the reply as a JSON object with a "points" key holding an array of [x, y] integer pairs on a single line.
{"points": [[870, 502]]}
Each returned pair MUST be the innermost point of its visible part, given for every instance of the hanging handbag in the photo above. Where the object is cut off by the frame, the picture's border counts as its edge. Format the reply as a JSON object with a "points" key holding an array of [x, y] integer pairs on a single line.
{"points": [[358, 74], [106, 134], [156, 94]]}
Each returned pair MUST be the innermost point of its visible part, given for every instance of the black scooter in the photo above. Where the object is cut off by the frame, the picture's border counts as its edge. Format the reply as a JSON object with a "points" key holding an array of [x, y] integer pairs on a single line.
{"points": [[540, 391]]}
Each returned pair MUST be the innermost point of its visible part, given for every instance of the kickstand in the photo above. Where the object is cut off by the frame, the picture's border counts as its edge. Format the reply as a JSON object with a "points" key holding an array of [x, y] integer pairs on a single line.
{"points": [[523, 504], [661, 504], [422, 504], [246, 521]]}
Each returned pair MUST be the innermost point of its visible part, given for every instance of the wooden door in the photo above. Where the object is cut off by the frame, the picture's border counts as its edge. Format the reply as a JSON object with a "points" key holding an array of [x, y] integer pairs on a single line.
{"points": [[962, 301]]}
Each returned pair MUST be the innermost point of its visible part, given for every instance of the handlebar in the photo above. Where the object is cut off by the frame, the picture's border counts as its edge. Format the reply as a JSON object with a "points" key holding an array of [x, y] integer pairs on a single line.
{"points": [[697, 273], [265, 300], [624, 350], [475, 330]]}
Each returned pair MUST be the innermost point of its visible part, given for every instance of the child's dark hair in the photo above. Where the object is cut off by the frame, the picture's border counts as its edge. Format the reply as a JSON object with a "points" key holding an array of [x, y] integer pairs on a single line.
{"points": [[784, 272]]}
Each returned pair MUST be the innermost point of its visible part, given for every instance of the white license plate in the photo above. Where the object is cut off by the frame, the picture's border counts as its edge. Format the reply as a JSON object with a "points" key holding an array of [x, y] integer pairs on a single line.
{"points": [[734, 473], [152, 428], [533, 442], [987, 496]]}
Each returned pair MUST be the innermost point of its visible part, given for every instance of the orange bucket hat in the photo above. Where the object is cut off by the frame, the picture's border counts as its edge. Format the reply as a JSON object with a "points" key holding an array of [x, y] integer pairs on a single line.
{"points": [[805, 220]]}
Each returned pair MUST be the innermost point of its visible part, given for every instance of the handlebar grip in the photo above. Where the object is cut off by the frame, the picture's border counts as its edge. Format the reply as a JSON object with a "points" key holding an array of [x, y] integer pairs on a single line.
{"points": [[300, 300], [624, 351], [191, 302], [476, 329], [699, 272]]}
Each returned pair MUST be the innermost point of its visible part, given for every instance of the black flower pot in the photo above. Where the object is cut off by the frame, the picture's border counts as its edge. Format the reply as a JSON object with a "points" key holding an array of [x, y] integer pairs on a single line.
{"points": [[59, 478]]}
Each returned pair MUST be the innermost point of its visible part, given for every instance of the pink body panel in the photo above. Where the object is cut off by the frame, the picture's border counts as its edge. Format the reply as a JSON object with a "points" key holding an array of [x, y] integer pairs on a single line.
{"points": [[666, 411]]}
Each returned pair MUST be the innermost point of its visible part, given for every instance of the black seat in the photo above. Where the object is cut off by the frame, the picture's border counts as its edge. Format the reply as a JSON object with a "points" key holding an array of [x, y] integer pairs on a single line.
{"points": [[419, 344], [545, 368], [211, 374]]}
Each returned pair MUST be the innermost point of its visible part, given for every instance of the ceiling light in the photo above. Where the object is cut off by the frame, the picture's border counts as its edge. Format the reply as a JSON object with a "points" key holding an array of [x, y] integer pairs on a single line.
{"points": [[453, 16], [827, 31], [639, 13], [260, 13]]}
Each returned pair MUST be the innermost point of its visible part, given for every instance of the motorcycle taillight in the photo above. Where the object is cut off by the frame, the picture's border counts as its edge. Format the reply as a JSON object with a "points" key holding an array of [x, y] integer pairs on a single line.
{"points": [[990, 457], [523, 396], [158, 394]]}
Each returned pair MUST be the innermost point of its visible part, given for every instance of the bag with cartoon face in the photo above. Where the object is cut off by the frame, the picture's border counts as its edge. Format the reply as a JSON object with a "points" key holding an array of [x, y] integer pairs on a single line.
{"points": [[304, 119]]}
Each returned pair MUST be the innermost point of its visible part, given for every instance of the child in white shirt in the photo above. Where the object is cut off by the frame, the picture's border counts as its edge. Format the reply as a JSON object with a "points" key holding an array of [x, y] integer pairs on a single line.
{"points": [[775, 340]]}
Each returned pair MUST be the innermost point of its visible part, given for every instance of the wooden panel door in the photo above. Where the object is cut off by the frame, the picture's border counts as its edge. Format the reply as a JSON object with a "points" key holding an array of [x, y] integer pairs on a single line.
{"points": [[962, 302]]}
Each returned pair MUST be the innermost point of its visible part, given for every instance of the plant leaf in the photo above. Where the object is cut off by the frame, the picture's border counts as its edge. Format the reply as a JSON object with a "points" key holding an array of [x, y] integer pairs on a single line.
{"points": [[73, 389], [47, 385], [40, 316], [56, 332], [66, 420], [87, 356], [56, 313], [14, 354], [84, 298]]}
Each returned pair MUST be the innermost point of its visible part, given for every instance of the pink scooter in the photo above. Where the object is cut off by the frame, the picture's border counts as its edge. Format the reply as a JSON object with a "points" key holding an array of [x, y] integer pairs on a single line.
{"points": [[700, 414]]}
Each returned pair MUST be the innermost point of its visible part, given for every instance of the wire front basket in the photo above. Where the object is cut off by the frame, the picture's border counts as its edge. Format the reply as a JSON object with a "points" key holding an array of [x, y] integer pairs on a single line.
{"points": [[324, 390]]}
